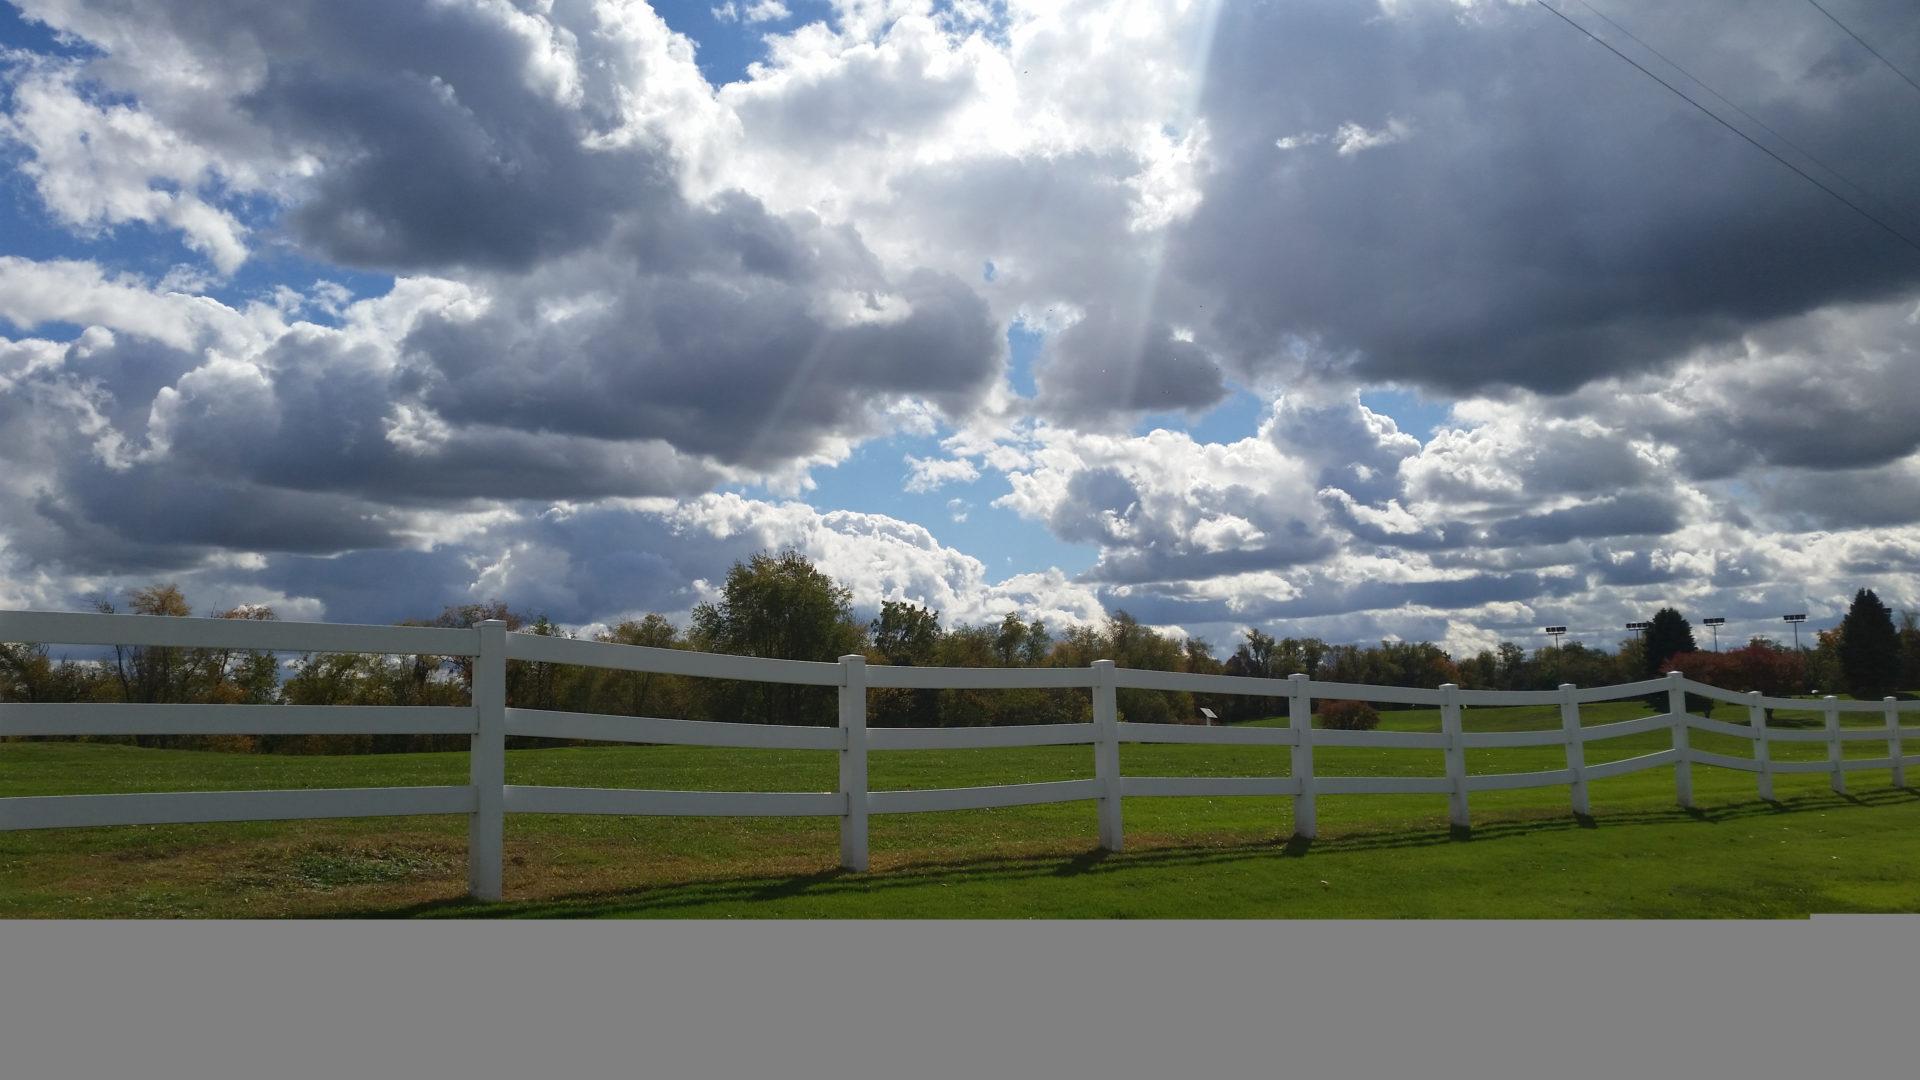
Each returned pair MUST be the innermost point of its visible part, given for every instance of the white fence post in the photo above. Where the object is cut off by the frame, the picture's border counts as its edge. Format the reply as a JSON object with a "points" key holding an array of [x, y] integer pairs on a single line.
{"points": [[853, 761], [1576, 750], [1893, 742], [1682, 741], [486, 826], [1106, 754], [1762, 749], [1838, 779], [1456, 756], [1306, 823]]}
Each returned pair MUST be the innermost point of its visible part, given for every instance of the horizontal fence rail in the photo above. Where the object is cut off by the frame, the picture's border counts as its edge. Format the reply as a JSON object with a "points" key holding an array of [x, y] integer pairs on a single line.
{"points": [[1190, 733], [487, 798], [600, 727], [602, 654], [970, 738], [75, 628], [192, 807], [118, 719], [572, 800], [982, 798], [1209, 785]]}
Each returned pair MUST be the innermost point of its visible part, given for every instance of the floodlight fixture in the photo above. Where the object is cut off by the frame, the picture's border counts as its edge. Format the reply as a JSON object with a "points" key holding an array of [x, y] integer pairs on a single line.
{"points": [[1555, 633], [1796, 620], [1714, 625]]}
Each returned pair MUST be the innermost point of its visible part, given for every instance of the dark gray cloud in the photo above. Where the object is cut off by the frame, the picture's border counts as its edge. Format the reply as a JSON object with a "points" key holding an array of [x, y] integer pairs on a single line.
{"points": [[1551, 216], [1807, 500], [748, 373], [435, 151], [1098, 504], [1112, 363], [374, 586], [1637, 514], [1632, 568]]}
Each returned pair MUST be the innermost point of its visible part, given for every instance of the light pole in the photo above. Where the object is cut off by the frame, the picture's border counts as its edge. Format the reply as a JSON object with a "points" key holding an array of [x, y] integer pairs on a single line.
{"points": [[1556, 632], [1796, 620], [1715, 624], [1639, 628]]}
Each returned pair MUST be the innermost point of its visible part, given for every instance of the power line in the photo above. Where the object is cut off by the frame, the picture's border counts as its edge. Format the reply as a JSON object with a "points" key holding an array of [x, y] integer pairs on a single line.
{"points": [[1864, 45], [1762, 124], [1718, 119]]}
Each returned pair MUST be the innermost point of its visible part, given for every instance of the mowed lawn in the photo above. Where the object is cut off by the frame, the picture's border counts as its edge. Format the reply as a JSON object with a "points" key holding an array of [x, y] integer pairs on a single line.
{"points": [[1377, 856]]}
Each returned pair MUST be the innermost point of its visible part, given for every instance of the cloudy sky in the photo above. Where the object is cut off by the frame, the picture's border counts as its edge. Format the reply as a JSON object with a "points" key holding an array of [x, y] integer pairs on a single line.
{"points": [[1357, 318]]}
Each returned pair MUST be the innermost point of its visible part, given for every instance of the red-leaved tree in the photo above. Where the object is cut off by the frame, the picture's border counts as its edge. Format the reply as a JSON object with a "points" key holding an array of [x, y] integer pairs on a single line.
{"points": [[1769, 669]]}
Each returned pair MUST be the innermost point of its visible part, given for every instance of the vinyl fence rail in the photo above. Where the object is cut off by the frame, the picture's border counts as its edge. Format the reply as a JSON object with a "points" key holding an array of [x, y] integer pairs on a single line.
{"points": [[487, 798]]}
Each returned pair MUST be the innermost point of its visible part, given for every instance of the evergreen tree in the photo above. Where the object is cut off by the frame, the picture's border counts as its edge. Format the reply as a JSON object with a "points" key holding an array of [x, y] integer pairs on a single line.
{"points": [[1869, 647], [1668, 636]]}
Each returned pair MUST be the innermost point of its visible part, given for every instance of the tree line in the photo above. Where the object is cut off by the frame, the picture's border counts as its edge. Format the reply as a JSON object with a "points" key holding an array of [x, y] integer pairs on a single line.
{"points": [[782, 606]]}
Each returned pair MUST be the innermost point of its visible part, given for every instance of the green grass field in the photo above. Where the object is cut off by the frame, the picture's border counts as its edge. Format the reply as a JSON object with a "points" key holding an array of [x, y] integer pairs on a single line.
{"points": [[1377, 856]]}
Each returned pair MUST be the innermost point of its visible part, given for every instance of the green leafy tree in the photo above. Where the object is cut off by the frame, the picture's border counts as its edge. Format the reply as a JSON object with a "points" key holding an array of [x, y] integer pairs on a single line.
{"points": [[537, 684], [906, 634], [1631, 660], [1511, 661], [1255, 656], [1130, 644], [1262, 656], [1910, 650], [1869, 647], [1571, 662], [779, 606], [640, 693], [1037, 646], [971, 647], [1011, 642], [1825, 675]]}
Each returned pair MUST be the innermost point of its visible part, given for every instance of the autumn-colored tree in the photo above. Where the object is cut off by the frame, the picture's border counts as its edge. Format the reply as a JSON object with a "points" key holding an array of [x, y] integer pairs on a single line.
{"points": [[28, 672], [1348, 716], [1759, 665], [1825, 673]]}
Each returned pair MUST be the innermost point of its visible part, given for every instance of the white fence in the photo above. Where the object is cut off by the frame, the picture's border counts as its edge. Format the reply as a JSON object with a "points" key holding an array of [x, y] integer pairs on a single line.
{"points": [[487, 798]]}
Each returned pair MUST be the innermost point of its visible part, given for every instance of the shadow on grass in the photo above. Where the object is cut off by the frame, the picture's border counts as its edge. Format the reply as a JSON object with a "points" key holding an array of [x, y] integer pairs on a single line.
{"points": [[1152, 853]]}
